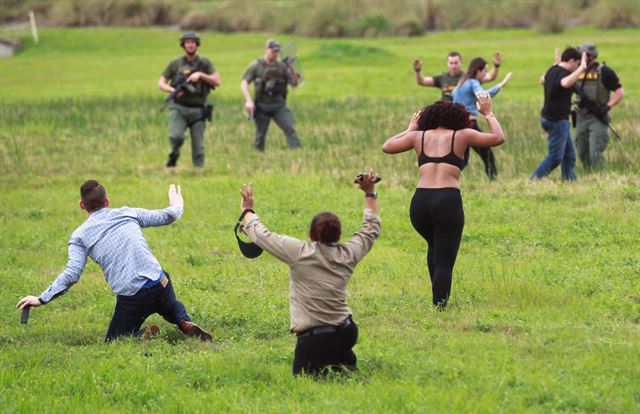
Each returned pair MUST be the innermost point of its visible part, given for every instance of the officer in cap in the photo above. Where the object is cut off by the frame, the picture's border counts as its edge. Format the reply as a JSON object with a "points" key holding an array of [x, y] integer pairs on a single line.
{"points": [[597, 83], [189, 109], [270, 77]]}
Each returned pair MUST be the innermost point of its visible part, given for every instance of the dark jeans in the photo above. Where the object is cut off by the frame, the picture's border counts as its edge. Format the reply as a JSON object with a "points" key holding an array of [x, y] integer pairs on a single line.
{"points": [[486, 154], [131, 311], [437, 214], [317, 354], [560, 150]]}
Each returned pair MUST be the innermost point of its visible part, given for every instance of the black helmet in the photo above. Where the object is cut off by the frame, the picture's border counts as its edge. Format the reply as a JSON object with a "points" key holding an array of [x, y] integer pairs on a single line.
{"points": [[189, 36]]}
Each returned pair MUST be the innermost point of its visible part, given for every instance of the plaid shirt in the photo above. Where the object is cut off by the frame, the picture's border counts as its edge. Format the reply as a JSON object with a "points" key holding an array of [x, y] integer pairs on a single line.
{"points": [[113, 238]]}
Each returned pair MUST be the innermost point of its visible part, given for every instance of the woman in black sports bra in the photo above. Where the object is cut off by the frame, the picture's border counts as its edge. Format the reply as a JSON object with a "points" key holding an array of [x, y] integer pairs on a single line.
{"points": [[441, 136]]}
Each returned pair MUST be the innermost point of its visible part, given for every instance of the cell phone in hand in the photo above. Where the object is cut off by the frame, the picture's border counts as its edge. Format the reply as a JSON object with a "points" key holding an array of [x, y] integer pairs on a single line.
{"points": [[24, 318], [360, 177]]}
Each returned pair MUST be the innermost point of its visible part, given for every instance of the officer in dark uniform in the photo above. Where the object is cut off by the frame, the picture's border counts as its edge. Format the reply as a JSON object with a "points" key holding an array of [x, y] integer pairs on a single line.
{"points": [[597, 83], [189, 109], [271, 77]]}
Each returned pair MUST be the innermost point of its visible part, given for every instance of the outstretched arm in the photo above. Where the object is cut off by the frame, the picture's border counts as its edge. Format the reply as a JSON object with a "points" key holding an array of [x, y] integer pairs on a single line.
{"points": [[66, 279], [403, 141], [150, 218], [284, 248]]}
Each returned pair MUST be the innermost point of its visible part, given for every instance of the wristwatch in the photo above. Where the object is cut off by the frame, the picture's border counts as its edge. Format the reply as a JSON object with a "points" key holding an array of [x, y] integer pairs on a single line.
{"points": [[372, 195]]}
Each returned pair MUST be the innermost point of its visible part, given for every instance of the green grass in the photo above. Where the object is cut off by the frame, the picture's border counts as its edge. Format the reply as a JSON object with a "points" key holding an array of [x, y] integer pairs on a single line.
{"points": [[545, 312]]}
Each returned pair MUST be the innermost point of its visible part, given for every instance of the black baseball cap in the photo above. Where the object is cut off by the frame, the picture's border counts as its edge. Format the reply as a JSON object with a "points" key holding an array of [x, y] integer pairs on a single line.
{"points": [[273, 45]]}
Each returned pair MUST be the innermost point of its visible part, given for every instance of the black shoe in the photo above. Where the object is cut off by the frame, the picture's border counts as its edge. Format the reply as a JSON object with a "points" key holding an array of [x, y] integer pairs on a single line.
{"points": [[171, 162]]}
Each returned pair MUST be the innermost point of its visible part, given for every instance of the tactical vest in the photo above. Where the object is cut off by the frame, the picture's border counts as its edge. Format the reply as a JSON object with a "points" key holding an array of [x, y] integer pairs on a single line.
{"points": [[591, 83], [200, 89], [270, 81]]}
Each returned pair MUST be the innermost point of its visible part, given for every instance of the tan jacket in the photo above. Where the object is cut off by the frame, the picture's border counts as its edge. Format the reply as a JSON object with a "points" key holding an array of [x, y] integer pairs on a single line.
{"points": [[319, 272]]}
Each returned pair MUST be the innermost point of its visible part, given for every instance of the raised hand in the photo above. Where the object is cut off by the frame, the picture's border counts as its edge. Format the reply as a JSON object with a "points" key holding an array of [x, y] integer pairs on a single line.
{"points": [[484, 104], [583, 62], [247, 197], [417, 65], [413, 123], [367, 181], [175, 197], [497, 59]]}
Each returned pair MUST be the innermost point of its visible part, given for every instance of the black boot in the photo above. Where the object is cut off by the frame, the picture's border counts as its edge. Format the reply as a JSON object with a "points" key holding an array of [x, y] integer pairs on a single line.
{"points": [[171, 162]]}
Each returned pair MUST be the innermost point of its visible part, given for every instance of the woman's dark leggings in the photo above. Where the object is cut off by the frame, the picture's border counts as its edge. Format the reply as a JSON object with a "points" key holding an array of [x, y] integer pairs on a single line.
{"points": [[486, 154], [437, 214]]}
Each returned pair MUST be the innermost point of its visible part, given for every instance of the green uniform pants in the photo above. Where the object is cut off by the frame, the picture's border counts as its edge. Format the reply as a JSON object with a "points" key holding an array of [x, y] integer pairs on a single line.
{"points": [[180, 118], [284, 119], [592, 137]]}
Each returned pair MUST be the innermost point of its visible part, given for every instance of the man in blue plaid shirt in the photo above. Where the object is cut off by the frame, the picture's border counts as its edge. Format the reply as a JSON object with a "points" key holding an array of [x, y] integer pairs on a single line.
{"points": [[113, 238]]}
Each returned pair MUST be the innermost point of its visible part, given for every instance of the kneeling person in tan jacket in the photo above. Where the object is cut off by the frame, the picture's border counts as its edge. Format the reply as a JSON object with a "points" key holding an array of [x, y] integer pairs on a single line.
{"points": [[320, 272]]}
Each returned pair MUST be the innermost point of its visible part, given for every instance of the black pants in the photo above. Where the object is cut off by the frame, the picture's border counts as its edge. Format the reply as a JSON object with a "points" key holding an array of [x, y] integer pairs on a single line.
{"points": [[437, 214], [131, 311], [486, 154], [316, 354]]}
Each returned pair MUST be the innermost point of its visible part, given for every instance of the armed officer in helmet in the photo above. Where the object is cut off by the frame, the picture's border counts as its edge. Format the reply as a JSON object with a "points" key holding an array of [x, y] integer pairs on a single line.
{"points": [[195, 76], [271, 77], [597, 84]]}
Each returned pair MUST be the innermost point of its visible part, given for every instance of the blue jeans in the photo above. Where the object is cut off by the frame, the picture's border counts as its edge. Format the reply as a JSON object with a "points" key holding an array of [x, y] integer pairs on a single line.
{"points": [[131, 311], [561, 151]]}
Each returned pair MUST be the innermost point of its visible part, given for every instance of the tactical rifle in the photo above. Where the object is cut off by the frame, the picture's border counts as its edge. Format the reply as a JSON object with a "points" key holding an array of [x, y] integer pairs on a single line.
{"points": [[599, 111], [292, 62], [180, 85]]}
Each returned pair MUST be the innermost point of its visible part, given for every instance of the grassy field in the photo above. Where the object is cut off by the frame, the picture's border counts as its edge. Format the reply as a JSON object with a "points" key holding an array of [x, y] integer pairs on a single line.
{"points": [[545, 309]]}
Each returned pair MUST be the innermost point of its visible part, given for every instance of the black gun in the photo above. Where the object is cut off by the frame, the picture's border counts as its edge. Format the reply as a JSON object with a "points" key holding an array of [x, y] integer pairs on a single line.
{"points": [[180, 85], [599, 111]]}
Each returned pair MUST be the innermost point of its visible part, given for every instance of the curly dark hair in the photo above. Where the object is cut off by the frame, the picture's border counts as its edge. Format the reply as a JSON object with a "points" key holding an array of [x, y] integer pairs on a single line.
{"points": [[325, 228], [444, 114]]}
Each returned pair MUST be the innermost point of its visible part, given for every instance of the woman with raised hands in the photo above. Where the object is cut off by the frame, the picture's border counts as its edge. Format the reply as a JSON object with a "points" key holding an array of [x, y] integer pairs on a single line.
{"points": [[465, 94], [440, 134]]}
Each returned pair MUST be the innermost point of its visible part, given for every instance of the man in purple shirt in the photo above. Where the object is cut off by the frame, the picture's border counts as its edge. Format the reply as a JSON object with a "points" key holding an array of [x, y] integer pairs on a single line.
{"points": [[113, 238]]}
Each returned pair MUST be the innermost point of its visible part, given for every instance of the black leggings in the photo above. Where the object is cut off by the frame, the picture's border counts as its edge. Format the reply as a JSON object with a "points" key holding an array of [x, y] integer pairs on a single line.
{"points": [[486, 154], [437, 214]]}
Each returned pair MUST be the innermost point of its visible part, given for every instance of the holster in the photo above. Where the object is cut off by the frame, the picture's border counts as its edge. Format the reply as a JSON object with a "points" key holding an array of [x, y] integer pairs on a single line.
{"points": [[208, 112], [574, 117]]}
